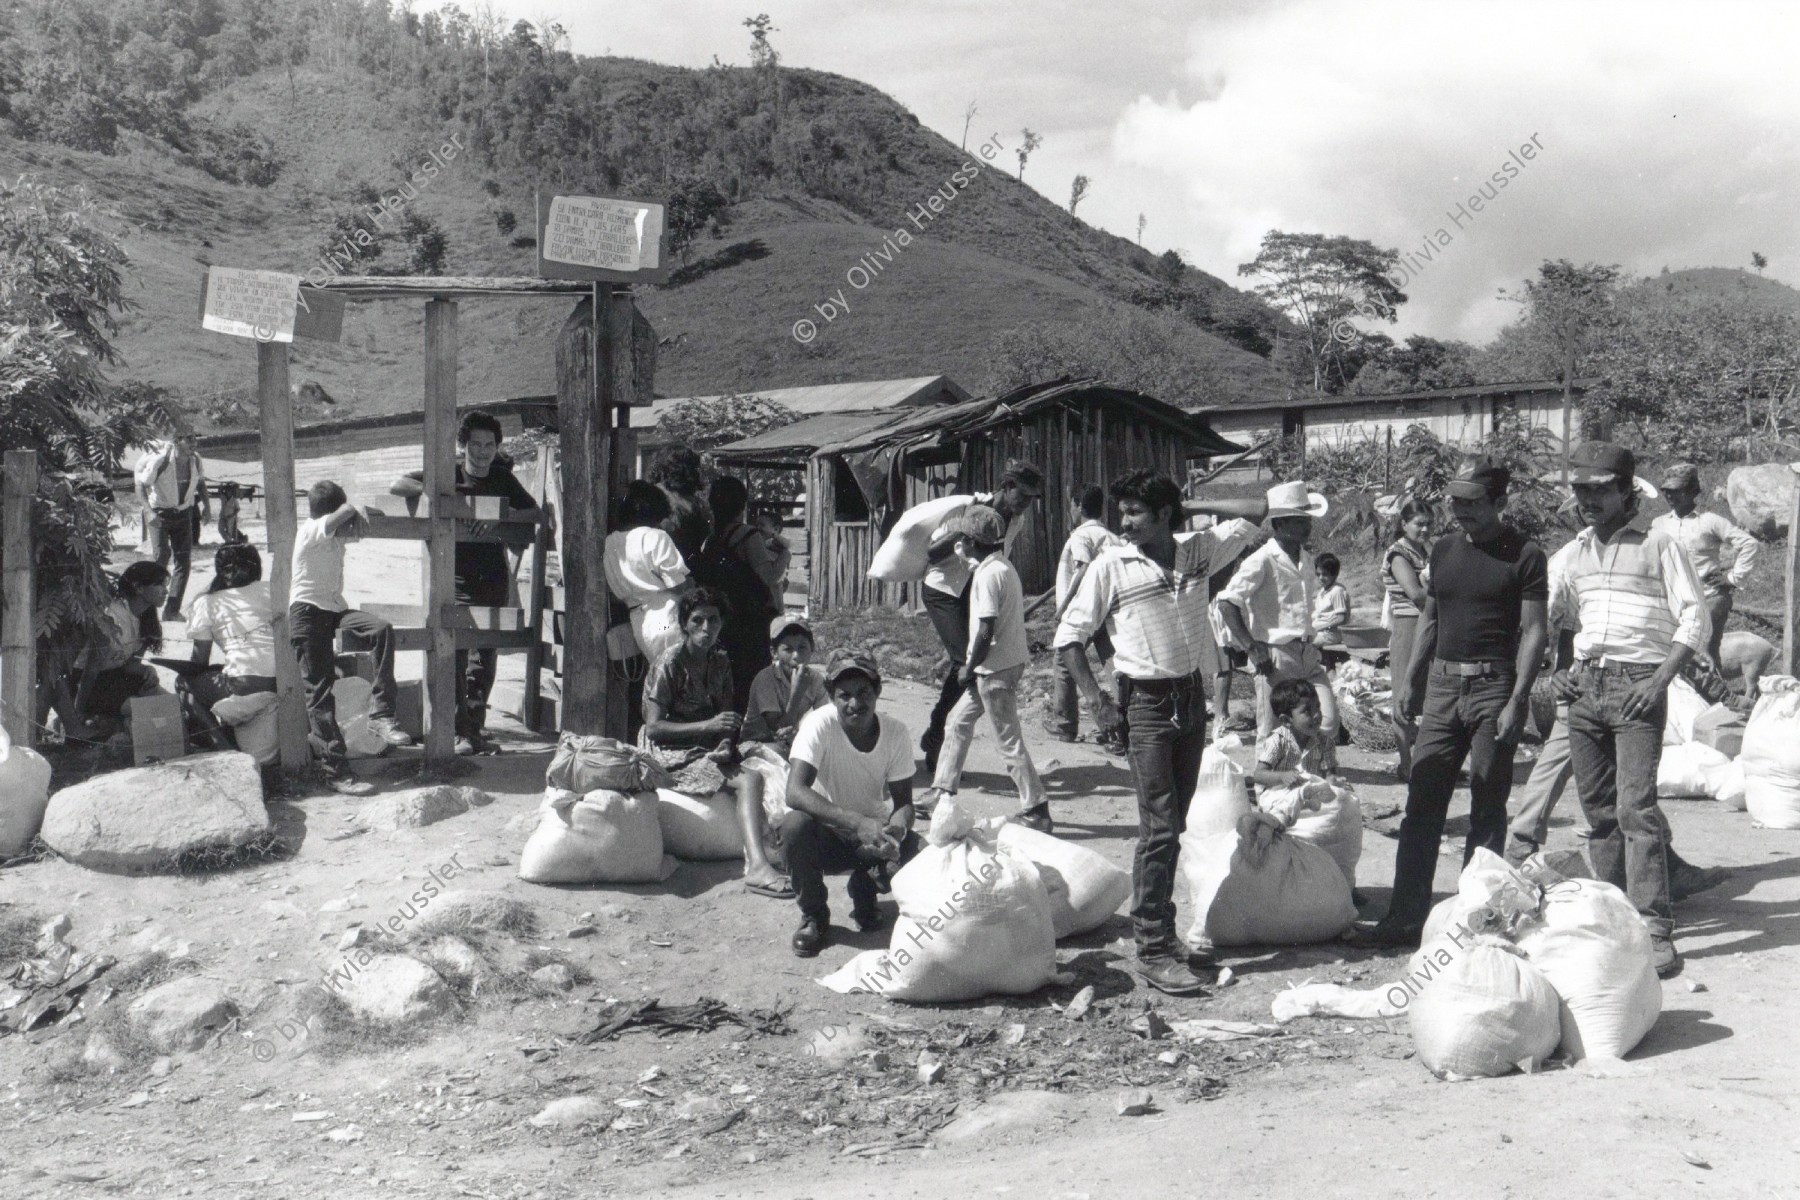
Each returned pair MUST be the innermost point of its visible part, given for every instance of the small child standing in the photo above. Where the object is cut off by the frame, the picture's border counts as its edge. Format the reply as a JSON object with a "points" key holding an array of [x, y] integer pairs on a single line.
{"points": [[1331, 611], [993, 666], [690, 727], [785, 690], [229, 533]]}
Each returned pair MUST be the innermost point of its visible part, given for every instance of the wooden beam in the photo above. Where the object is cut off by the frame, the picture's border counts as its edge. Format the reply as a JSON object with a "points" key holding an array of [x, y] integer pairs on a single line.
{"points": [[18, 627], [456, 616], [531, 709], [419, 638], [447, 287], [1790, 632], [584, 379], [440, 545], [276, 404], [417, 529]]}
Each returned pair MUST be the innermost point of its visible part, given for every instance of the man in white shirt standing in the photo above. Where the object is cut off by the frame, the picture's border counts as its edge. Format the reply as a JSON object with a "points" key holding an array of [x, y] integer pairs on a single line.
{"points": [[1150, 595], [1709, 540], [171, 484], [1085, 542]]}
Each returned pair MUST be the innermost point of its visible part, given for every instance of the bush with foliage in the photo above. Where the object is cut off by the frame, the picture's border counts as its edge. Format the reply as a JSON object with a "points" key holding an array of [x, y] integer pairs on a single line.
{"points": [[705, 424]]}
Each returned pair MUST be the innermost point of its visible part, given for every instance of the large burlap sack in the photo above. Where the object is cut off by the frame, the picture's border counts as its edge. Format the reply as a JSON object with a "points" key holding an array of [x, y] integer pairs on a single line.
{"points": [[584, 764], [254, 722], [1482, 1010], [901, 556], [1491, 897], [1256, 885], [1771, 757], [602, 837], [974, 921], [1686, 770], [1336, 828], [699, 829], [24, 794], [1084, 888], [1726, 784], [1685, 707], [1221, 795], [1591, 944]]}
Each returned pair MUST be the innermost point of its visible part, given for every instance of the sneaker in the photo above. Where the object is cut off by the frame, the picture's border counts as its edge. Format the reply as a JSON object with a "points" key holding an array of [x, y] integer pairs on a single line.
{"points": [[1037, 817], [1688, 880], [1386, 935], [1665, 956], [389, 732], [349, 785], [1171, 976], [812, 936], [467, 747]]}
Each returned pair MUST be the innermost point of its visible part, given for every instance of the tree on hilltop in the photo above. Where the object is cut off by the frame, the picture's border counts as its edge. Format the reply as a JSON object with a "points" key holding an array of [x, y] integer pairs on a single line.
{"points": [[1320, 282]]}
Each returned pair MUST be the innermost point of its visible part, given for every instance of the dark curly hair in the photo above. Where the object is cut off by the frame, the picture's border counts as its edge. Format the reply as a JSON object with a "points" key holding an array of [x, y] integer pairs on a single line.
{"points": [[235, 566], [699, 598], [1153, 490]]}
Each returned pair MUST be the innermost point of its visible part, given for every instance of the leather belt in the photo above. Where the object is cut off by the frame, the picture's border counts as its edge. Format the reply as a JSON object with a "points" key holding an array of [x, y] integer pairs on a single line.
{"points": [[1470, 670]]}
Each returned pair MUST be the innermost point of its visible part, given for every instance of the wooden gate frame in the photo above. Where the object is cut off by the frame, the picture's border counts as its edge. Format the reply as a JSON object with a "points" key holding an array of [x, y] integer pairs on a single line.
{"points": [[587, 395]]}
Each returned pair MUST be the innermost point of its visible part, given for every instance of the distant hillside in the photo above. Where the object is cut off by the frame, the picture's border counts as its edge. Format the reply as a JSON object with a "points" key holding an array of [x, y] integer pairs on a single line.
{"points": [[1731, 283], [818, 170]]}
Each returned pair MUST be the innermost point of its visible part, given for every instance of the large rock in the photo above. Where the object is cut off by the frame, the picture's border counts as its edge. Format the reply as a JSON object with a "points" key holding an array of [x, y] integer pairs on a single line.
{"points": [[392, 988], [1762, 498], [146, 818], [183, 1014]]}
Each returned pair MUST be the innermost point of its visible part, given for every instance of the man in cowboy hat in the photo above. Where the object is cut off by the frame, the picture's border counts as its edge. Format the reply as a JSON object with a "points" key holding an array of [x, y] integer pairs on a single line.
{"points": [[1268, 607], [1479, 647], [1630, 615], [1711, 541]]}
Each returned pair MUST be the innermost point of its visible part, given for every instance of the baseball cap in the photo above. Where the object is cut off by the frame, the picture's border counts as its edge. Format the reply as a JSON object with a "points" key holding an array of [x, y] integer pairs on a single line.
{"points": [[981, 523], [844, 662], [1680, 477], [1479, 479], [1600, 462], [782, 625]]}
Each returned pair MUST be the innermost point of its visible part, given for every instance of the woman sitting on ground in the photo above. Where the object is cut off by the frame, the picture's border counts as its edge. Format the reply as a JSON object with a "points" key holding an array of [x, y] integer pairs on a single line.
{"points": [[238, 613], [690, 727], [113, 671]]}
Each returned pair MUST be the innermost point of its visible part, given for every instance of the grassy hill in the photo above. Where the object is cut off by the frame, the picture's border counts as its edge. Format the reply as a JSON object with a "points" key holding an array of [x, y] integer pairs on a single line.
{"points": [[1001, 256], [1730, 283]]}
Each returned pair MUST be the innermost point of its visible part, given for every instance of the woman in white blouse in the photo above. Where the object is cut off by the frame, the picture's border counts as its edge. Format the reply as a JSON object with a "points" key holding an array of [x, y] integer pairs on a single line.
{"points": [[645, 570]]}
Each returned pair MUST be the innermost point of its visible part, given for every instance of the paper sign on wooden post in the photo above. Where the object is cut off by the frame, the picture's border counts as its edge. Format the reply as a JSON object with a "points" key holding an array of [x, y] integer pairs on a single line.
{"points": [[601, 239], [251, 304], [316, 313]]}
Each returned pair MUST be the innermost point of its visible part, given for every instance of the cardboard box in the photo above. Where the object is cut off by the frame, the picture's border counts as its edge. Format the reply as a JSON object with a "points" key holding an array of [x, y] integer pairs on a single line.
{"points": [[157, 731]]}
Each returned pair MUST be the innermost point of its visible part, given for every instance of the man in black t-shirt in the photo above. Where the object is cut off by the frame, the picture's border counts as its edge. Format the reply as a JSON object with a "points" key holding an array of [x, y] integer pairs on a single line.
{"points": [[483, 573], [1480, 644]]}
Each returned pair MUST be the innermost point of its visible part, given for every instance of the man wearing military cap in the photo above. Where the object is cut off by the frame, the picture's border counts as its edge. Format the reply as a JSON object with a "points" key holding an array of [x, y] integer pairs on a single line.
{"points": [[1721, 552]]}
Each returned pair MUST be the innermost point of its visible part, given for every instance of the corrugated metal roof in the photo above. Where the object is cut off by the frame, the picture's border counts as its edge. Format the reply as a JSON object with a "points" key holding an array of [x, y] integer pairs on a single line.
{"points": [[809, 433], [862, 396], [1471, 392]]}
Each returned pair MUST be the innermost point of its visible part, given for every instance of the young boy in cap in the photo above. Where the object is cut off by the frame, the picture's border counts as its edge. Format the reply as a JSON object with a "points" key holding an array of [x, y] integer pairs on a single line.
{"points": [[1629, 613], [1477, 651], [787, 689], [1710, 541], [1268, 608], [849, 799], [992, 667]]}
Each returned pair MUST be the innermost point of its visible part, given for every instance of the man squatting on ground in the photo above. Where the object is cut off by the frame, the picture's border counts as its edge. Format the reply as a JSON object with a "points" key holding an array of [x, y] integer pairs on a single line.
{"points": [[1151, 596], [1479, 648], [483, 575], [1630, 616]]}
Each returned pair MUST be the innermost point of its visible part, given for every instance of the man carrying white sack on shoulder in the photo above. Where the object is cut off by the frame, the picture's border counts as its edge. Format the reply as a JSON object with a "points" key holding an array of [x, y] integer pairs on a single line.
{"points": [[1629, 609], [1151, 595]]}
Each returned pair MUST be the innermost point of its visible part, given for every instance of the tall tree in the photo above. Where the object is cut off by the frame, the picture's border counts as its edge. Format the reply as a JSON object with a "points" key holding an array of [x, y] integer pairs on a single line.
{"points": [[1320, 282], [1758, 261], [1028, 141], [1142, 221], [1078, 191], [968, 119], [1568, 310]]}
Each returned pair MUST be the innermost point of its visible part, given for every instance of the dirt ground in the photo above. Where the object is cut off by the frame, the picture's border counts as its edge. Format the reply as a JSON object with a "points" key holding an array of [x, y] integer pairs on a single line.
{"points": [[1326, 1107]]}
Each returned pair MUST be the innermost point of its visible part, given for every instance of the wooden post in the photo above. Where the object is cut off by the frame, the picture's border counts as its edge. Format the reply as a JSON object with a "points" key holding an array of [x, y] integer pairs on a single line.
{"points": [[531, 714], [440, 545], [277, 410], [584, 402], [1790, 634], [18, 637]]}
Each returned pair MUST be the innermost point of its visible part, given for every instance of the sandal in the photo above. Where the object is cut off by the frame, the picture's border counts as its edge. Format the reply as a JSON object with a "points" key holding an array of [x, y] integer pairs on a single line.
{"points": [[774, 891]]}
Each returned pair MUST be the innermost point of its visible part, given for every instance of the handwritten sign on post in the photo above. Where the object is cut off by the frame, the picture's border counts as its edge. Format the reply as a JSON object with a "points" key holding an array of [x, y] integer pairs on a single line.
{"points": [[268, 305], [602, 239]]}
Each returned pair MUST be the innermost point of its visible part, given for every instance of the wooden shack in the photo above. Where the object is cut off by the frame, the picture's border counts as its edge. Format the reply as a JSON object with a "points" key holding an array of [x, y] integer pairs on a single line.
{"points": [[860, 470]]}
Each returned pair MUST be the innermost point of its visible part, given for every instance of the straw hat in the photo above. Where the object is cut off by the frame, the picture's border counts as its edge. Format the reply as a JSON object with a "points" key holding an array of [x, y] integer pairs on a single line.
{"points": [[1293, 500]]}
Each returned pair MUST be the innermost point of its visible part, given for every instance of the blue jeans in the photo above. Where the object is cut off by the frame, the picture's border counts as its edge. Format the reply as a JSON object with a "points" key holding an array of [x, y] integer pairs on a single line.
{"points": [[1615, 759], [1460, 721], [1165, 728]]}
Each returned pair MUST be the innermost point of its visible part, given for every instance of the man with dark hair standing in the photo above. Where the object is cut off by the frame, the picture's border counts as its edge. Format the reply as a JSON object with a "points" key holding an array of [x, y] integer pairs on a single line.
{"points": [[1709, 540], [483, 574], [1479, 647], [1150, 595], [1630, 616], [946, 587], [1087, 503]]}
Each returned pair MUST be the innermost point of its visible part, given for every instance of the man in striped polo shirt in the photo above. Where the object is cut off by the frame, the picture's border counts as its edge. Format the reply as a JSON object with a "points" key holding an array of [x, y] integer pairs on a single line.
{"points": [[1630, 614], [1150, 595]]}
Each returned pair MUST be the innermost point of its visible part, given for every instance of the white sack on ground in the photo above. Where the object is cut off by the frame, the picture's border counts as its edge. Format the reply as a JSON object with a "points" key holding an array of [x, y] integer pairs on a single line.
{"points": [[699, 829], [1726, 784], [1686, 770], [1084, 888], [1491, 897], [24, 795], [1257, 885], [1221, 795], [974, 921], [1483, 1010], [1685, 707], [1337, 829], [1591, 944], [602, 837], [901, 556], [1771, 757]]}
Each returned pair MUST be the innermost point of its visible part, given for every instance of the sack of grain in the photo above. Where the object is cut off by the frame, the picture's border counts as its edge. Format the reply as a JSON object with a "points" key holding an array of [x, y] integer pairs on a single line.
{"points": [[1482, 1010], [602, 837], [1686, 770], [699, 829], [1084, 888], [1590, 943], [584, 764], [1257, 885], [901, 555], [1335, 827], [1221, 795], [24, 795], [1771, 756]]}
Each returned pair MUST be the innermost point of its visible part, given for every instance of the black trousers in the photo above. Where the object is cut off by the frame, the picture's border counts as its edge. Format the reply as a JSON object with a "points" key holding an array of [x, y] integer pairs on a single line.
{"points": [[814, 849], [950, 618], [174, 537]]}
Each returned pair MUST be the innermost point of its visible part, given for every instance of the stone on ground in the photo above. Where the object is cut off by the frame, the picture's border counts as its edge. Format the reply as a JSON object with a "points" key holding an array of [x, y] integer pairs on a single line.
{"points": [[573, 1110], [146, 818], [182, 1014], [554, 977], [420, 807], [392, 988], [1007, 1112], [1762, 498]]}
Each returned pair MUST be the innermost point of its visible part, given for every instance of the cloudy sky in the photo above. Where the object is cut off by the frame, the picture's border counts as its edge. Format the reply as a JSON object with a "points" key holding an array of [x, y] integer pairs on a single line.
{"points": [[1669, 133]]}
